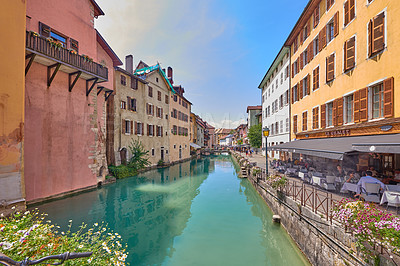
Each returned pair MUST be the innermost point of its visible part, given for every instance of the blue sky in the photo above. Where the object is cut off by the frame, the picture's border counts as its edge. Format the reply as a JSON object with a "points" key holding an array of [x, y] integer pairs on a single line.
{"points": [[219, 50]]}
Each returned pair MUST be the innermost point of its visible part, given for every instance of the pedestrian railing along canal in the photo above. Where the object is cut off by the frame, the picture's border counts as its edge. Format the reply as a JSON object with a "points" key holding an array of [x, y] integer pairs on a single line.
{"points": [[318, 201]]}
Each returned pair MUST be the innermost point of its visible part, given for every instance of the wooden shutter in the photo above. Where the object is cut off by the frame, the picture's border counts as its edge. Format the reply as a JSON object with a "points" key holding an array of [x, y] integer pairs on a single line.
{"points": [[352, 10], [316, 16], [148, 130], [323, 115], [136, 128], [310, 52], [123, 127], [322, 38], [305, 121], [388, 96], [301, 62], [363, 104], [293, 70], [300, 89], [336, 24], [313, 118], [132, 128], [301, 37], [356, 106], [129, 102], [292, 94], [346, 12], [44, 30], [334, 113], [330, 68], [308, 84], [370, 37], [316, 117], [340, 111], [295, 124], [378, 41], [316, 78], [349, 53], [74, 44]]}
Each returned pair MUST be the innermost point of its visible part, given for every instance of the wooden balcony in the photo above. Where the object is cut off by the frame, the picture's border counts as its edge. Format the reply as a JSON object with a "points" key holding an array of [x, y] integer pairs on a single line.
{"points": [[41, 50]]}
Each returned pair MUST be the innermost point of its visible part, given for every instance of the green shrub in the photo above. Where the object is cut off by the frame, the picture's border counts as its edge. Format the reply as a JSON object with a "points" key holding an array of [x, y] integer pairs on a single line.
{"points": [[121, 171], [30, 235]]}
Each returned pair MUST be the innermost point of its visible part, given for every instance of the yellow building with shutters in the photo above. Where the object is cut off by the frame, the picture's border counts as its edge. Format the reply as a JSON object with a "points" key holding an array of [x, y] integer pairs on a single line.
{"points": [[344, 71]]}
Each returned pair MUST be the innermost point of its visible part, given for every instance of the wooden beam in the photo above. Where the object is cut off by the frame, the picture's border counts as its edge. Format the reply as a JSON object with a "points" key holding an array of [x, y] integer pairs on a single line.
{"points": [[50, 77], [71, 85], [32, 57], [92, 86], [99, 89], [107, 94]]}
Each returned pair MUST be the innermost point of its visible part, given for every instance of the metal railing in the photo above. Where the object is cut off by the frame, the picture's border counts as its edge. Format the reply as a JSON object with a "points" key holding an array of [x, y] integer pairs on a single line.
{"points": [[41, 45], [318, 201]]}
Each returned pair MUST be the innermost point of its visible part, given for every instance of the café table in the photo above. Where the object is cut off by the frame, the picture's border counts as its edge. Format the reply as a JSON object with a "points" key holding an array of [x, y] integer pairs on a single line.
{"points": [[349, 187], [393, 198], [317, 180]]}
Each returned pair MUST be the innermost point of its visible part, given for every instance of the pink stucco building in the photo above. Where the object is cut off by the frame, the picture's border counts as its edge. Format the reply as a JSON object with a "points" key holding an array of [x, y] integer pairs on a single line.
{"points": [[68, 79]]}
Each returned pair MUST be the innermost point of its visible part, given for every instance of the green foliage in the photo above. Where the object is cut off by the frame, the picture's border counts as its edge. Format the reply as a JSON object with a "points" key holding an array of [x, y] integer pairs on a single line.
{"points": [[240, 141], [255, 136], [121, 171], [277, 182], [30, 235], [140, 157], [160, 163]]}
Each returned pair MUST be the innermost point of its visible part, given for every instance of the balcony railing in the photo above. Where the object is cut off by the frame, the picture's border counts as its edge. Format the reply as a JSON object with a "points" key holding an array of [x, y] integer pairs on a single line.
{"points": [[41, 45]]}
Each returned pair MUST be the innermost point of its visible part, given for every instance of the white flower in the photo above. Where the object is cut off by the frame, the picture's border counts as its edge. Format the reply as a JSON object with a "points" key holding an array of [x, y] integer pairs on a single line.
{"points": [[80, 246], [90, 260], [13, 208], [96, 224]]}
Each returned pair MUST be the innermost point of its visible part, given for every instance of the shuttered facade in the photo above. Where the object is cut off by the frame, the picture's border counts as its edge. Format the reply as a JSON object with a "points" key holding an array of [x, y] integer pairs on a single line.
{"points": [[376, 34], [349, 53]]}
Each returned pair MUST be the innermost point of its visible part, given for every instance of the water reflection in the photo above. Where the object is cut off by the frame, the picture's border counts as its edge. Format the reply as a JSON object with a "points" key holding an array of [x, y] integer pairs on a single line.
{"points": [[148, 210]]}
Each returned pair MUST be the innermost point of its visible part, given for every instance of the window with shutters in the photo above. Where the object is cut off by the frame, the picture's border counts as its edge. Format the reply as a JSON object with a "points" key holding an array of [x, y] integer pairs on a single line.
{"points": [[150, 91], [166, 99], [315, 114], [305, 57], [305, 121], [316, 46], [277, 128], [330, 29], [276, 105], [134, 83], [306, 32], [140, 128], [123, 105], [316, 78], [376, 34], [150, 129], [295, 124], [296, 67], [281, 102], [48, 32], [377, 101], [295, 45], [287, 97], [329, 114], [330, 68], [127, 127], [316, 16], [175, 98], [349, 54], [159, 95], [132, 104], [295, 93], [123, 80], [305, 86], [329, 4], [348, 109], [349, 11]]}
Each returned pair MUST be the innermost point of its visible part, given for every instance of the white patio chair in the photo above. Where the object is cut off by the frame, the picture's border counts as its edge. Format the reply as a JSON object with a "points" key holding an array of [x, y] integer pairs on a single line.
{"points": [[371, 192], [330, 183]]}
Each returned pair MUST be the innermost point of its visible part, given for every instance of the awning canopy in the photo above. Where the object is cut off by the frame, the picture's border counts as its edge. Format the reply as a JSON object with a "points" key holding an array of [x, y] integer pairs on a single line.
{"points": [[335, 148], [194, 145], [379, 144]]}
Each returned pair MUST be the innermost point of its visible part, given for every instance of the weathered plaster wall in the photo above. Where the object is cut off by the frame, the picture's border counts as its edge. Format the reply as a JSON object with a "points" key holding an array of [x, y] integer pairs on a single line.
{"points": [[179, 142], [12, 66], [60, 130]]}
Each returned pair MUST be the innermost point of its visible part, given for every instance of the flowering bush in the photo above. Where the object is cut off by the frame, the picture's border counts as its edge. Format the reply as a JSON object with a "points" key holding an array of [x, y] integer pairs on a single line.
{"points": [[276, 181], [371, 226], [30, 235]]}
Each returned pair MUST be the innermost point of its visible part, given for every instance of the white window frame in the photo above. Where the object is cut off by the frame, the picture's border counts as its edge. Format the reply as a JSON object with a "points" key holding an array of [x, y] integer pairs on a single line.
{"points": [[126, 128]]}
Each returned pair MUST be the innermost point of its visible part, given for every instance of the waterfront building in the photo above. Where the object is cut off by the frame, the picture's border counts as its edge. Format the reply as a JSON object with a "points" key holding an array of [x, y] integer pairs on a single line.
{"points": [[210, 137], [12, 99], [343, 83], [221, 133], [193, 129], [179, 124], [200, 128], [65, 91], [275, 87], [252, 112]]}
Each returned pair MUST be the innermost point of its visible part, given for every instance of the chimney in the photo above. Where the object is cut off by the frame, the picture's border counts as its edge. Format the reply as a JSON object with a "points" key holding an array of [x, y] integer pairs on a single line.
{"points": [[129, 63], [170, 75]]}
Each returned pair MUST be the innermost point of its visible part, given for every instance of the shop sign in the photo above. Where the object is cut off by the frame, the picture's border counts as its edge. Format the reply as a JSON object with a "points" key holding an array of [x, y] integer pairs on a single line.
{"points": [[338, 133]]}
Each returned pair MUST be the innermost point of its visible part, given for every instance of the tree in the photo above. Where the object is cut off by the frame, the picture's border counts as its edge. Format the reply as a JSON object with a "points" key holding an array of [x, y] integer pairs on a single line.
{"points": [[255, 136], [140, 157]]}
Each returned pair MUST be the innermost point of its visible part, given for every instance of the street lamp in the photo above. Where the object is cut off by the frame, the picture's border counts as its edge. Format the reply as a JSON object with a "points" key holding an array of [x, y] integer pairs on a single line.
{"points": [[266, 134]]}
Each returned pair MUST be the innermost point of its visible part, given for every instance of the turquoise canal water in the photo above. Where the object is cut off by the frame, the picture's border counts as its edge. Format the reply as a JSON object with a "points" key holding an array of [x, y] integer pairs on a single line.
{"points": [[194, 213]]}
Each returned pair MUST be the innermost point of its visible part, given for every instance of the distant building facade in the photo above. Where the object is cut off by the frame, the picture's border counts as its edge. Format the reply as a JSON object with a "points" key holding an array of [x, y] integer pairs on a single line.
{"points": [[275, 88]]}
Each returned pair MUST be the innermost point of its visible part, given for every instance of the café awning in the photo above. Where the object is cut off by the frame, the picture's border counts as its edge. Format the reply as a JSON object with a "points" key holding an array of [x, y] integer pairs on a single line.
{"points": [[378, 144], [336, 148]]}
